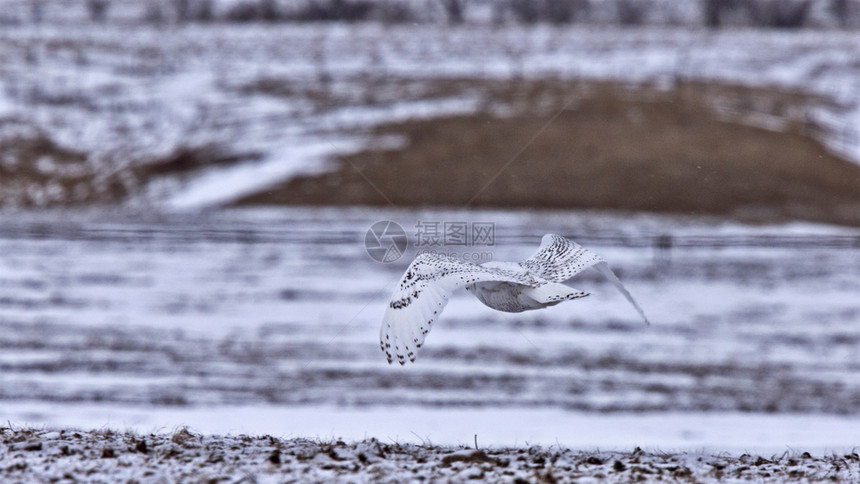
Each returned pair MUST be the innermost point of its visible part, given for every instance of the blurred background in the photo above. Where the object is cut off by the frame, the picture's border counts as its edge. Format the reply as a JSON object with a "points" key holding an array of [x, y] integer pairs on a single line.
{"points": [[186, 189]]}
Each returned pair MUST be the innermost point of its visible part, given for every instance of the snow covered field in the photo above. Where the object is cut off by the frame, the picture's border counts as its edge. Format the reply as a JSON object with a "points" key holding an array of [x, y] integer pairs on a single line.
{"points": [[266, 322], [153, 314], [127, 456], [280, 100], [104, 455]]}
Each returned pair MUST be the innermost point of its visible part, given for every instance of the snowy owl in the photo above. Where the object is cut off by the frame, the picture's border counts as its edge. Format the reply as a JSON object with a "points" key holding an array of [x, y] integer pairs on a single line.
{"points": [[511, 287]]}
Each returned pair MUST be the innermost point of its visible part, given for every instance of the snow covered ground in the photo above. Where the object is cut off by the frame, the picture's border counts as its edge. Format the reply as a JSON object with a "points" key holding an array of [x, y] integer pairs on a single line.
{"points": [[266, 321], [107, 456], [733, 433], [283, 99]]}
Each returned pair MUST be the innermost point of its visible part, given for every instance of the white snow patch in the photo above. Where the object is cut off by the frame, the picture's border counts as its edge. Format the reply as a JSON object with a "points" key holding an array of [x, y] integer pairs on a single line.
{"points": [[517, 427], [222, 185]]}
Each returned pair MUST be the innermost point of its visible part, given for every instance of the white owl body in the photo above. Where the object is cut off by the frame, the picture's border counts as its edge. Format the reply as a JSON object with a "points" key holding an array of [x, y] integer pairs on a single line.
{"points": [[503, 296]]}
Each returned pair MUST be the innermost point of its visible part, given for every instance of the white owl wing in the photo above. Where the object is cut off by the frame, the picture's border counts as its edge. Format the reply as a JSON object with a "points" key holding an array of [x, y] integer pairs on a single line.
{"points": [[421, 296], [558, 259]]}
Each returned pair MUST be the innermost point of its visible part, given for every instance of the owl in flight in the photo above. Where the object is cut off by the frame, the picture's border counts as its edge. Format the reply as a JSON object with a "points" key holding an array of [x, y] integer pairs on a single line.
{"points": [[511, 287]]}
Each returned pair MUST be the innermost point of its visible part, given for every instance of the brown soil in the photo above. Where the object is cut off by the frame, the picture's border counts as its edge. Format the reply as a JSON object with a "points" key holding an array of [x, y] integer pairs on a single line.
{"points": [[35, 172], [602, 146]]}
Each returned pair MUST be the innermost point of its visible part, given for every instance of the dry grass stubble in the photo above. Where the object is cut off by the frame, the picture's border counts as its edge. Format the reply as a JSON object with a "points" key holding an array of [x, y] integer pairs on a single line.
{"points": [[31, 455]]}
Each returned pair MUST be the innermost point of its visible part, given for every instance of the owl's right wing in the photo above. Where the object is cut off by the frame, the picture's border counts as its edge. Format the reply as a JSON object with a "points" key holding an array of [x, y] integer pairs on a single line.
{"points": [[422, 294]]}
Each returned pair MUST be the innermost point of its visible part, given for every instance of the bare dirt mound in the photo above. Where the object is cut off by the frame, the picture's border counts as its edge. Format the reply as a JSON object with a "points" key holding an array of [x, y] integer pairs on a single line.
{"points": [[28, 455], [693, 149]]}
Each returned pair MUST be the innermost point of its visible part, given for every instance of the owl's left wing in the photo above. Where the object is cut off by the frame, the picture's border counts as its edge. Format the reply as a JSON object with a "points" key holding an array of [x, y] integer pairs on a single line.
{"points": [[421, 296]]}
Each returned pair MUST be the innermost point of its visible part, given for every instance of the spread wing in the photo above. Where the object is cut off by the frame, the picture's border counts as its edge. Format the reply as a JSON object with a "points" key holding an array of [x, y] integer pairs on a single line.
{"points": [[558, 259], [422, 294]]}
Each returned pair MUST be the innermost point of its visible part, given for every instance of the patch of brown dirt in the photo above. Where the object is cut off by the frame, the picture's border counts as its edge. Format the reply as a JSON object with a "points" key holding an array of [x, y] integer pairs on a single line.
{"points": [[35, 172], [688, 150]]}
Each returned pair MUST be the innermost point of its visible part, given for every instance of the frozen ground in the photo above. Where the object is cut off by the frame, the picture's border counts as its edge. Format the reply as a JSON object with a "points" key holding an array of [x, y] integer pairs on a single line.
{"points": [[279, 101], [715, 432], [266, 321], [52, 455]]}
